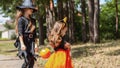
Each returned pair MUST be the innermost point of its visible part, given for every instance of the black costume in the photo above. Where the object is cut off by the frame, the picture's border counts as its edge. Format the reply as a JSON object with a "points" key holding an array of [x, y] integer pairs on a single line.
{"points": [[29, 41]]}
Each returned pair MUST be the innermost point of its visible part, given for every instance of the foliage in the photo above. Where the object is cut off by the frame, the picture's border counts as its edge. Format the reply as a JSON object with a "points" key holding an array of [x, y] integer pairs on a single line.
{"points": [[13, 36], [107, 21], [8, 7], [9, 26], [0, 33], [78, 27]]}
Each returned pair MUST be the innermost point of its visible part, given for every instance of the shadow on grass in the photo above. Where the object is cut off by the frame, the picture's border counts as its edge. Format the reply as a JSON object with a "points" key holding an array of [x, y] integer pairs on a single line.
{"points": [[15, 50], [90, 50], [114, 53], [8, 52], [83, 51]]}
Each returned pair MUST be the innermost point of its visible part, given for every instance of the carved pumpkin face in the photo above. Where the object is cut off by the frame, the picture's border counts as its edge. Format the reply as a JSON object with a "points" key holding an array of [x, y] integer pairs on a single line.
{"points": [[45, 53]]}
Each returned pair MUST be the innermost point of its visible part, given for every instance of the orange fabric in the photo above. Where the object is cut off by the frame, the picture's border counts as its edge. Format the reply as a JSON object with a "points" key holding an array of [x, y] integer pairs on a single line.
{"points": [[59, 59]]}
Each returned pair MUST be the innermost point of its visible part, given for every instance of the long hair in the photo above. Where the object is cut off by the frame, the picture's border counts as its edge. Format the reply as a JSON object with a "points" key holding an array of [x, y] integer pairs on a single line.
{"points": [[59, 28], [58, 31], [18, 15]]}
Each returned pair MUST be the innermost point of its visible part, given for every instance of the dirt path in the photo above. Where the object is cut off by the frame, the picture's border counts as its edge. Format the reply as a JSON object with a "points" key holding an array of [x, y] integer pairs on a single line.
{"points": [[10, 62], [8, 58], [13, 62]]}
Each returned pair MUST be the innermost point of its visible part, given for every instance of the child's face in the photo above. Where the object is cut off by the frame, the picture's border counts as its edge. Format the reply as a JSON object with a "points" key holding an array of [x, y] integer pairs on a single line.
{"points": [[29, 11]]}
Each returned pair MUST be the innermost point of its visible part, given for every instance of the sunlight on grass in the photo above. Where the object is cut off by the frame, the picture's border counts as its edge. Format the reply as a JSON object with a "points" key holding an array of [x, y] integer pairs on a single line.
{"points": [[7, 48], [103, 55]]}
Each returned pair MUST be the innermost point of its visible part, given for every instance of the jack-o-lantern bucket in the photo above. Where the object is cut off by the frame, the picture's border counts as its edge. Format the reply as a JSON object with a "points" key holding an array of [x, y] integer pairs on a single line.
{"points": [[45, 53]]}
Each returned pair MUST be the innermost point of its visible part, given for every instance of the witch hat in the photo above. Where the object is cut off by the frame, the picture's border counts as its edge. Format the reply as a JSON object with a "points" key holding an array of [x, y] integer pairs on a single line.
{"points": [[27, 4]]}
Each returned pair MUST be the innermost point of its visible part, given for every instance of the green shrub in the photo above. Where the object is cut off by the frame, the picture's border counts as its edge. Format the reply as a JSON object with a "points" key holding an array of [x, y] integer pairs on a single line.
{"points": [[13, 36], [0, 34]]}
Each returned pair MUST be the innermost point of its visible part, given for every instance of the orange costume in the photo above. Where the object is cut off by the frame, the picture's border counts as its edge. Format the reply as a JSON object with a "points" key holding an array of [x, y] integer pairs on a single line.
{"points": [[61, 57]]}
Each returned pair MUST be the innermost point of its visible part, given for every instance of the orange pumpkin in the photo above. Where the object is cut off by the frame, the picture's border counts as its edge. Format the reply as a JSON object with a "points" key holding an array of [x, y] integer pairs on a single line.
{"points": [[45, 53]]}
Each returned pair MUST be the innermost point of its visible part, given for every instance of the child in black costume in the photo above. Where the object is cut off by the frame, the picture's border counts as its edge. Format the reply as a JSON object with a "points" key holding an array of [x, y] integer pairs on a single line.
{"points": [[26, 31]]}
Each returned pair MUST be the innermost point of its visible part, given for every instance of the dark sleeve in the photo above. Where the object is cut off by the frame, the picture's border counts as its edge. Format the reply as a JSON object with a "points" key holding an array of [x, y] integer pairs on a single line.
{"points": [[20, 26], [35, 31]]}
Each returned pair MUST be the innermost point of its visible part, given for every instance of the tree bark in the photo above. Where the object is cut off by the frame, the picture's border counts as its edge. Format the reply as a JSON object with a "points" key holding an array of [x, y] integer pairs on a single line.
{"points": [[84, 35], [71, 21], [41, 32], [117, 19], [96, 21], [50, 17], [60, 10], [91, 19]]}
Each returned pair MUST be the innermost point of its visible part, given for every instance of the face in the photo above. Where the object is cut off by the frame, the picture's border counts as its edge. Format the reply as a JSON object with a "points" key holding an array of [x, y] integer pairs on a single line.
{"points": [[28, 11]]}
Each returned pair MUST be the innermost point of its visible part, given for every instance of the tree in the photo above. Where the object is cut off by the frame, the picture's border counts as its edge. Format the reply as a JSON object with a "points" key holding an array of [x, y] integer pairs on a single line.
{"points": [[71, 21], [59, 9], [50, 16], [93, 13], [96, 21], [91, 19], [117, 19], [84, 32]]}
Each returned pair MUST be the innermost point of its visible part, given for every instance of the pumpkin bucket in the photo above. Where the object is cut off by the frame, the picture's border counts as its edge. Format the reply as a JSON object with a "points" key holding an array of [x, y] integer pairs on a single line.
{"points": [[45, 53]]}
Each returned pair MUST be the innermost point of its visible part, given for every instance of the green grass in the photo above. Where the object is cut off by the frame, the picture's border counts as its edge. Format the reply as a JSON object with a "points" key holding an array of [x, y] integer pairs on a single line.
{"points": [[4, 39], [7, 48]]}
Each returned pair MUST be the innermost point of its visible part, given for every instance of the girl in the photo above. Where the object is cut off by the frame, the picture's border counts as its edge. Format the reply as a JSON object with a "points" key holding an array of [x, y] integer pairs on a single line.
{"points": [[26, 31], [61, 57]]}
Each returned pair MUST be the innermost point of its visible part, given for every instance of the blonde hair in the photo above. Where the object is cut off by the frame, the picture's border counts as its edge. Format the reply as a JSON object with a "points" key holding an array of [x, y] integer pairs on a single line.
{"points": [[59, 28], [18, 15], [58, 31]]}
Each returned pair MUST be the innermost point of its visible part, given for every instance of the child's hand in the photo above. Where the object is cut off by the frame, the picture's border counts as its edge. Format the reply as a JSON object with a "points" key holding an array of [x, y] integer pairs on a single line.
{"points": [[23, 47], [67, 46], [36, 49]]}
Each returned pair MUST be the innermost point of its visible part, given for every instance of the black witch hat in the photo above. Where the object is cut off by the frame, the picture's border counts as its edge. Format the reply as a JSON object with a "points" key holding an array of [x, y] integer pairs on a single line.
{"points": [[27, 4]]}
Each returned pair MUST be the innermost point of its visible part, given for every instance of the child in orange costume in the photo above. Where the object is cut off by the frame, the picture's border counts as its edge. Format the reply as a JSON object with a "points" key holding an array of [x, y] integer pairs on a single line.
{"points": [[61, 57]]}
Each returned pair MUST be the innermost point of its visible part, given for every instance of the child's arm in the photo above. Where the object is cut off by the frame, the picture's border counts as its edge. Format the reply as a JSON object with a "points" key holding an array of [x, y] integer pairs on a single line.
{"points": [[23, 47], [36, 46], [67, 45]]}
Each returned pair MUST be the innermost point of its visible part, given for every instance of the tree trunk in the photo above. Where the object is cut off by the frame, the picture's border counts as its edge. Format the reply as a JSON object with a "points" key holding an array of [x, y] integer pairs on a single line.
{"points": [[117, 19], [71, 21], [96, 21], [60, 10], [91, 19], [50, 17], [52, 11], [84, 35], [41, 32]]}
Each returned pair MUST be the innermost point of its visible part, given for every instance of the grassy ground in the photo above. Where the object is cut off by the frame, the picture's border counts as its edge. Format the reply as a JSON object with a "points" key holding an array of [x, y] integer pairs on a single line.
{"points": [[7, 47], [103, 55]]}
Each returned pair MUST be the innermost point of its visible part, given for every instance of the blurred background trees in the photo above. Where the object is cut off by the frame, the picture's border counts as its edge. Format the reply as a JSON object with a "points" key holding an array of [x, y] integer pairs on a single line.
{"points": [[88, 20]]}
